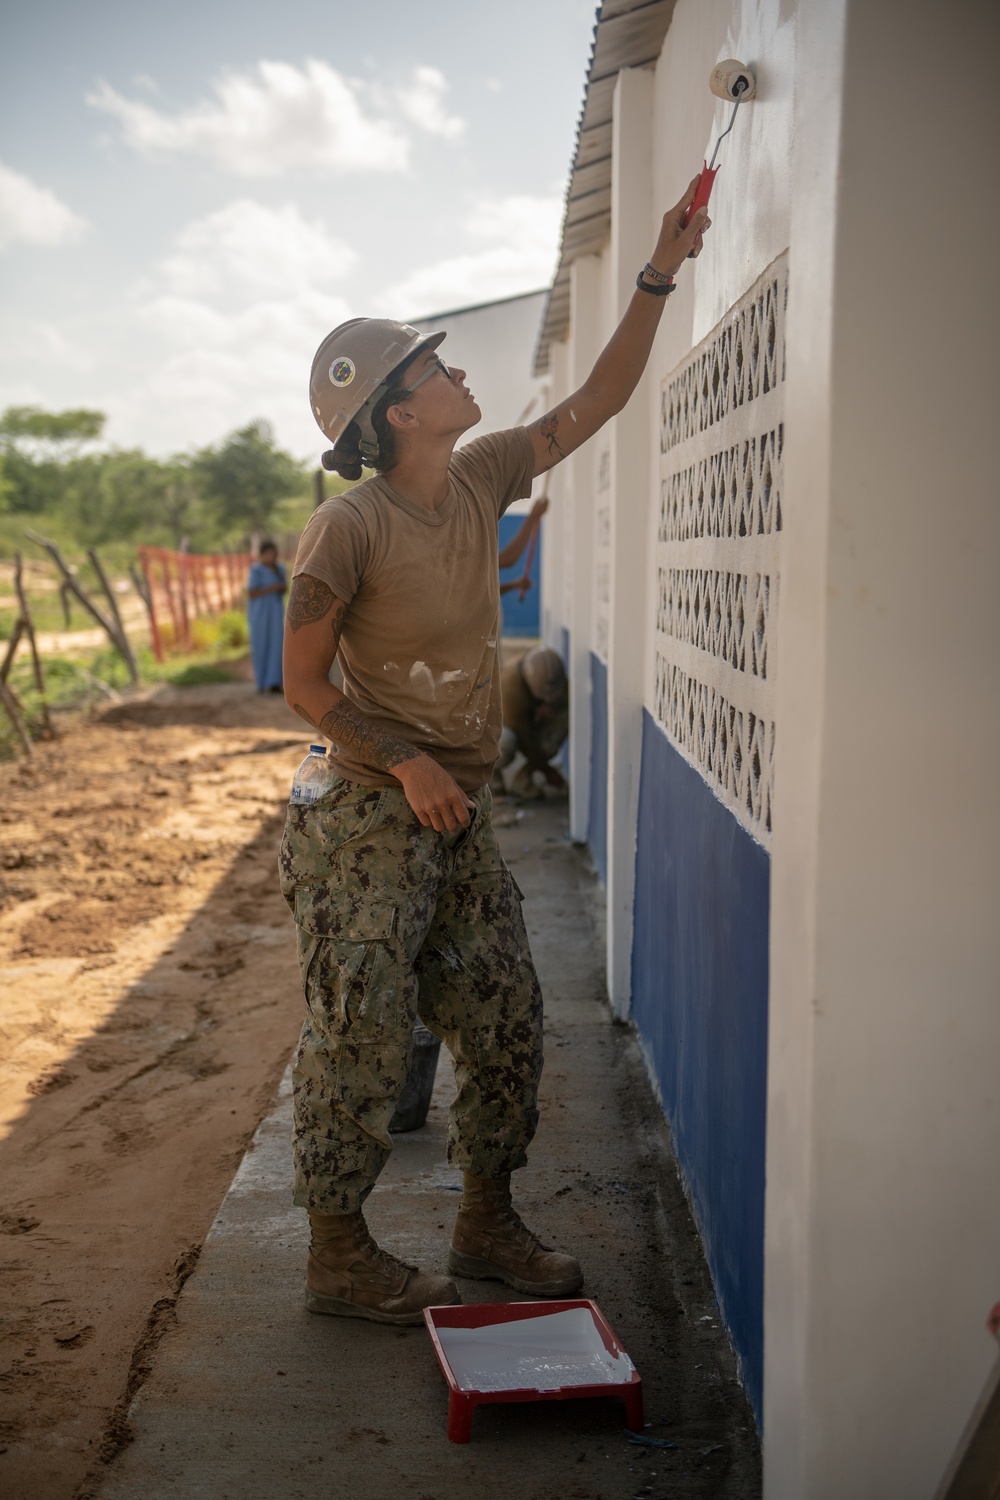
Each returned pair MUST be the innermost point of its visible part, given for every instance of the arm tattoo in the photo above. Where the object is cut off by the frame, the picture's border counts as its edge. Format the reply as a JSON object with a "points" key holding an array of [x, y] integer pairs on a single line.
{"points": [[308, 601], [337, 623], [548, 427], [346, 725]]}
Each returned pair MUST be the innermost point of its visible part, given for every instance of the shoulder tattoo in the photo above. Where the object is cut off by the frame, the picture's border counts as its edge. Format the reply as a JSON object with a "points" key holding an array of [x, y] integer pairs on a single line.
{"points": [[309, 600]]}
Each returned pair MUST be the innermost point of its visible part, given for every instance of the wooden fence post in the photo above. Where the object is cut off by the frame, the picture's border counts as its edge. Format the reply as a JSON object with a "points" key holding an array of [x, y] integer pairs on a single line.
{"points": [[27, 625], [125, 645], [9, 700], [115, 635]]}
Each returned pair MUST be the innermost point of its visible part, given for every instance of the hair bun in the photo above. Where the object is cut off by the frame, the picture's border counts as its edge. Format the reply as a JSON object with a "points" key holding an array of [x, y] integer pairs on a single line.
{"points": [[350, 467], [344, 458]]}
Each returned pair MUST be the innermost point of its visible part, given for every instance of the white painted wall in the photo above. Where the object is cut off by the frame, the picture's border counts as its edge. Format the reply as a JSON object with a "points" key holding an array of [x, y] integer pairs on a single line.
{"points": [[864, 153], [578, 522], [632, 509], [666, 122], [883, 1244], [750, 199]]}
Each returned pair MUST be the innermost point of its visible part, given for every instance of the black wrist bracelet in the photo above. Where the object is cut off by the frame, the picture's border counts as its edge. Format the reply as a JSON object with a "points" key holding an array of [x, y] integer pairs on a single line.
{"points": [[663, 290]]}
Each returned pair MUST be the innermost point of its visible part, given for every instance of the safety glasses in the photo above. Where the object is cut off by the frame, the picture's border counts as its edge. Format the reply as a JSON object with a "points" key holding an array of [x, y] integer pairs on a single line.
{"points": [[436, 367]]}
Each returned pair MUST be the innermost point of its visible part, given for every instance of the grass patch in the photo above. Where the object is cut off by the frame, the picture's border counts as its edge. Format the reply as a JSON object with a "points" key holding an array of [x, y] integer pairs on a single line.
{"points": [[74, 684], [197, 673]]}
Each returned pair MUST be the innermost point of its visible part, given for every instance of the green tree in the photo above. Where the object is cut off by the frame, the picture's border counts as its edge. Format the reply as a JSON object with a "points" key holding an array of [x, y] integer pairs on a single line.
{"points": [[244, 477], [109, 497], [55, 435], [35, 445]]}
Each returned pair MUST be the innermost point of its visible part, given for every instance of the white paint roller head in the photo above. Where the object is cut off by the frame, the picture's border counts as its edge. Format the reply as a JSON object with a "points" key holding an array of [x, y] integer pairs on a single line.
{"points": [[732, 80]]}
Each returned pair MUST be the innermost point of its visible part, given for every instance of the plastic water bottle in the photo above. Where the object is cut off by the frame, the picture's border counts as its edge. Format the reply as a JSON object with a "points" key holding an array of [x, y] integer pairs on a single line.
{"points": [[311, 779]]}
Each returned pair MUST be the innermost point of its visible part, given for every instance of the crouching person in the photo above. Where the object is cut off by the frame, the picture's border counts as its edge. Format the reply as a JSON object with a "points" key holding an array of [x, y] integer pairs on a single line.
{"points": [[535, 720]]}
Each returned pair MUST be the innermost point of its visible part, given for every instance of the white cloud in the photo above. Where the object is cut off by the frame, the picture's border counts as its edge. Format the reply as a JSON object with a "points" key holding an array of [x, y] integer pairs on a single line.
{"points": [[241, 301], [246, 250], [520, 237], [279, 117], [33, 214], [423, 103]]}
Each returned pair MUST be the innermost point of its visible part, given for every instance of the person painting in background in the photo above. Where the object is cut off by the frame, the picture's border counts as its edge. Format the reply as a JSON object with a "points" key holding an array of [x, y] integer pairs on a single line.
{"points": [[535, 697], [266, 585], [509, 555]]}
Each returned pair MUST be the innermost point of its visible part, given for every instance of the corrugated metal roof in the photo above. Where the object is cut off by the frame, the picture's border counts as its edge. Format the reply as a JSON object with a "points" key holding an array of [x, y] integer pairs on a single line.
{"points": [[627, 34]]}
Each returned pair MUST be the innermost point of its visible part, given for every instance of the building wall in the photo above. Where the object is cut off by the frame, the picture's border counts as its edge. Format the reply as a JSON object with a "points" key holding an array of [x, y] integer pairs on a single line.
{"points": [[521, 617], [793, 531], [493, 343], [675, 601], [883, 1226]]}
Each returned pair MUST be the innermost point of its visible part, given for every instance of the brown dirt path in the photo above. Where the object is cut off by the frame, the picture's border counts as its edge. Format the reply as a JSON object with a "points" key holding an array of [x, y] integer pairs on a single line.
{"points": [[149, 1005]]}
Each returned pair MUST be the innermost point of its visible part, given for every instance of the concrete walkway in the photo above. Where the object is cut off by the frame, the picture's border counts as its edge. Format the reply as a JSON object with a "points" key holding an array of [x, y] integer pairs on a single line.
{"points": [[252, 1398]]}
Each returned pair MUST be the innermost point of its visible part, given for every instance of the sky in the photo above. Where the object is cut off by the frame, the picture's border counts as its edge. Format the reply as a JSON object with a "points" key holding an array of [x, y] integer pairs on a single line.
{"points": [[193, 195]]}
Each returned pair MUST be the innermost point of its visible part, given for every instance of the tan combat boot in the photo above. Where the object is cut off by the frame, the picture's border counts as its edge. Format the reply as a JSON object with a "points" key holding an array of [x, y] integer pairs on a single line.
{"points": [[491, 1243], [350, 1277]]}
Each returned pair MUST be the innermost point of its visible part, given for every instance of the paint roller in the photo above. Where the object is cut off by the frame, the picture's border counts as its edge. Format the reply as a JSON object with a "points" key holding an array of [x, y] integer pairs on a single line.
{"points": [[733, 81]]}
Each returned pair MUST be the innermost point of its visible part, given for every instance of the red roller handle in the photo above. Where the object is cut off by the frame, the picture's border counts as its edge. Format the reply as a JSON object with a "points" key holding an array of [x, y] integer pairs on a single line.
{"points": [[702, 193]]}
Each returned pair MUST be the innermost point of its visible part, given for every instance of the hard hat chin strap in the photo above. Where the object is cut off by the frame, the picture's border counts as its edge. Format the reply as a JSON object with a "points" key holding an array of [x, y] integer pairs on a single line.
{"points": [[368, 442]]}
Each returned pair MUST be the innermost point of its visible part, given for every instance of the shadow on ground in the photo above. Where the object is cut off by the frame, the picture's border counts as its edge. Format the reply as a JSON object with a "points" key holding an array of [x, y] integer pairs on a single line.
{"points": [[250, 1396]]}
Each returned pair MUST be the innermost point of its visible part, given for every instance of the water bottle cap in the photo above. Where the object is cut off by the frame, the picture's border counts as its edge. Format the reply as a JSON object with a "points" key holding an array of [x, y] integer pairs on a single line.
{"points": [[317, 749]]}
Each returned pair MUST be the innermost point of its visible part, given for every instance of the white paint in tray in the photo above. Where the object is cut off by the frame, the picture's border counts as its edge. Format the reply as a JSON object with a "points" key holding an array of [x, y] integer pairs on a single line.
{"points": [[536, 1354]]}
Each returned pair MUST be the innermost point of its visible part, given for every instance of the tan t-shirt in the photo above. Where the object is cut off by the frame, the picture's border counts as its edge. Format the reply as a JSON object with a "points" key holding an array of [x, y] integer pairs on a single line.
{"points": [[419, 646]]}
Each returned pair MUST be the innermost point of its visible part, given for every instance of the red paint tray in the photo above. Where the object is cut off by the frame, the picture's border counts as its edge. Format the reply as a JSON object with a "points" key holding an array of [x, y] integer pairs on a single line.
{"points": [[529, 1351]]}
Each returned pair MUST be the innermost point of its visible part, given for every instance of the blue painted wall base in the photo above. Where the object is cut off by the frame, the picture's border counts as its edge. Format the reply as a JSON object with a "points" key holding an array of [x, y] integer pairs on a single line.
{"points": [[520, 616], [699, 1000], [597, 816]]}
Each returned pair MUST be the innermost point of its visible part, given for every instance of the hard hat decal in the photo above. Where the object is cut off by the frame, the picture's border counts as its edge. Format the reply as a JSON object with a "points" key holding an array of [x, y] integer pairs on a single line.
{"points": [[342, 372]]}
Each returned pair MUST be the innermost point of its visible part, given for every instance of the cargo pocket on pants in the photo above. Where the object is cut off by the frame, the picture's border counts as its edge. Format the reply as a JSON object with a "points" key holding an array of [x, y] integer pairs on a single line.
{"points": [[349, 964]]}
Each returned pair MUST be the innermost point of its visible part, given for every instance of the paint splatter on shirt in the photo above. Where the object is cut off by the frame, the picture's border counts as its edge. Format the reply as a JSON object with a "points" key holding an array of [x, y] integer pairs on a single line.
{"points": [[419, 643]]}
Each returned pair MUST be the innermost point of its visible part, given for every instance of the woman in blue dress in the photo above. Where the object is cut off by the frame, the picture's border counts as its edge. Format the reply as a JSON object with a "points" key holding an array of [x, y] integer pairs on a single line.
{"points": [[266, 585]]}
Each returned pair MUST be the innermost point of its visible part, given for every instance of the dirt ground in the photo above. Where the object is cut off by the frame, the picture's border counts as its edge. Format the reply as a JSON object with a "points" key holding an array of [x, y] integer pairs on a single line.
{"points": [[150, 1002]]}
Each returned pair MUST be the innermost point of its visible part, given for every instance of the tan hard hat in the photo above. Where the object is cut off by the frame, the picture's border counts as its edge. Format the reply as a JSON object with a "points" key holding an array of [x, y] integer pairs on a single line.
{"points": [[351, 369], [543, 673]]}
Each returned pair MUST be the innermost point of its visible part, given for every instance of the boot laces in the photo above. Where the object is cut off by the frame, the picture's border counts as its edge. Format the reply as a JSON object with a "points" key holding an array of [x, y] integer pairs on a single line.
{"points": [[382, 1261], [508, 1215]]}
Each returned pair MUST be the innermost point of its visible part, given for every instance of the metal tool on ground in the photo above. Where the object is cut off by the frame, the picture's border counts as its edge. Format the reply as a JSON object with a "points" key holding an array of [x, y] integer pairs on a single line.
{"points": [[415, 1101], [733, 81]]}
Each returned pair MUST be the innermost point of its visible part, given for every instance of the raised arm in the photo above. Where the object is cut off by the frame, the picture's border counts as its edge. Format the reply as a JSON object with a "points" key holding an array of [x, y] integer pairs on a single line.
{"points": [[509, 555], [313, 624], [620, 364]]}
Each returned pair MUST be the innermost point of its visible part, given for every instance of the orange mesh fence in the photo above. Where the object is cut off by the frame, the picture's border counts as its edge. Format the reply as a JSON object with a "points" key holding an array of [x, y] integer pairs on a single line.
{"points": [[185, 585]]}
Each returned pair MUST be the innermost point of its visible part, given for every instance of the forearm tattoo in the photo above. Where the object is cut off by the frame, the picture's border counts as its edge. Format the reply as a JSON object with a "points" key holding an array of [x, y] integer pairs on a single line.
{"points": [[548, 427], [347, 726]]}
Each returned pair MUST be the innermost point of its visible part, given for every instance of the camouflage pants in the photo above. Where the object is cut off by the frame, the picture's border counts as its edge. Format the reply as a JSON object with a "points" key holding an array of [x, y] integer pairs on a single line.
{"points": [[394, 920]]}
